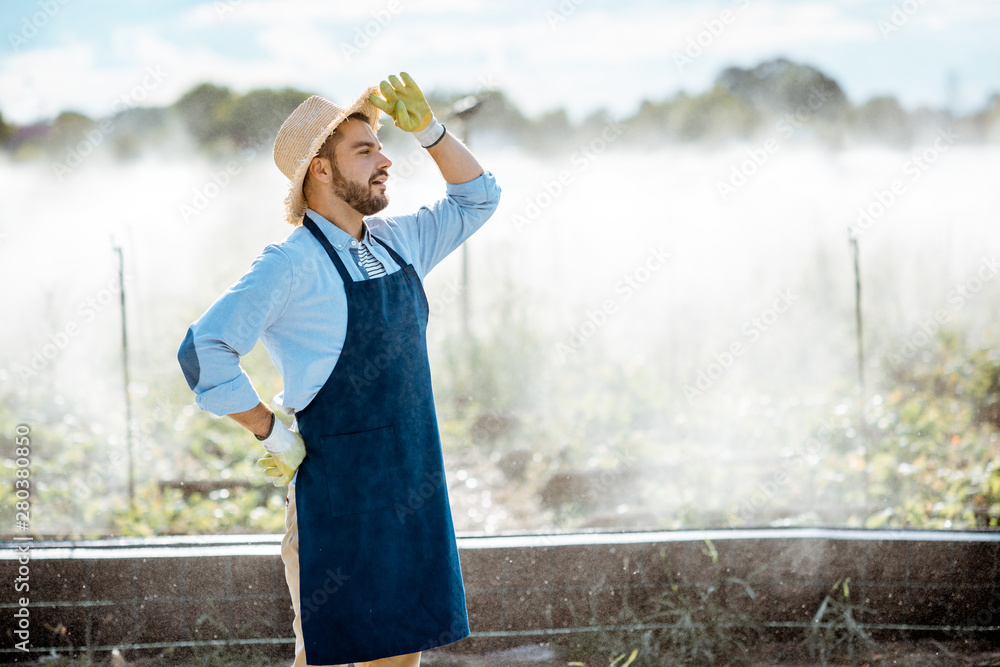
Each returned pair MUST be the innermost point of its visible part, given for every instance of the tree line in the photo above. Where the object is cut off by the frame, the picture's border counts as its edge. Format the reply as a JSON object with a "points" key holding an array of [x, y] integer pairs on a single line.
{"points": [[777, 98]]}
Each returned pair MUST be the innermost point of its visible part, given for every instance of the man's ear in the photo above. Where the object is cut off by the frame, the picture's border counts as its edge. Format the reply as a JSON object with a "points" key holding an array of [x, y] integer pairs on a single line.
{"points": [[319, 169]]}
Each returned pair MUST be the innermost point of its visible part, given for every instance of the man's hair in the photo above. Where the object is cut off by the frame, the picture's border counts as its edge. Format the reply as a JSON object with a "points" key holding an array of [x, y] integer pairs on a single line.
{"points": [[327, 149]]}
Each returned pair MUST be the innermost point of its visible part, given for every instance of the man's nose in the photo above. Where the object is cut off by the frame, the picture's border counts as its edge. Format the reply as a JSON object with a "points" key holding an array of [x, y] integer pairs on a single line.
{"points": [[385, 162]]}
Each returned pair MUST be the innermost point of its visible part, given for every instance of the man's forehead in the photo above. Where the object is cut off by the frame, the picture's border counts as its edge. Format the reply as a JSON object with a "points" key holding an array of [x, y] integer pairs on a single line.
{"points": [[354, 130]]}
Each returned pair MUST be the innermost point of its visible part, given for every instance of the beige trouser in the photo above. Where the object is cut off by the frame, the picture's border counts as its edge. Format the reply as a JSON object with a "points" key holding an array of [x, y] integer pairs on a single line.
{"points": [[290, 556]]}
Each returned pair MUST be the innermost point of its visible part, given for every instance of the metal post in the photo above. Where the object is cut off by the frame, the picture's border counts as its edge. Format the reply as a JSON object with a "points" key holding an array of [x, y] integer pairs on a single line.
{"points": [[125, 371], [863, 434], [466, 306], [466, 316], [857, 312], [463, 296], [462, 110]]}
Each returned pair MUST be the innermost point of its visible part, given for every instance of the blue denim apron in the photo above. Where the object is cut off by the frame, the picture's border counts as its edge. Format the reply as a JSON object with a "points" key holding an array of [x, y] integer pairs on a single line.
{"points": [[374, 520]]}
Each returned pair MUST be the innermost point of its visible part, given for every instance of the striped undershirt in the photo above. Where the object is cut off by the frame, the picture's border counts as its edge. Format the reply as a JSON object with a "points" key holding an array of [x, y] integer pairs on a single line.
{"points": [[369, 262]]}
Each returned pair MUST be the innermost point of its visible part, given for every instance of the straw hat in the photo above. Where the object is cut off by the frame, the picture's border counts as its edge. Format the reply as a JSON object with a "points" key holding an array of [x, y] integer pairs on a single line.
{"points": [[302, 135]]}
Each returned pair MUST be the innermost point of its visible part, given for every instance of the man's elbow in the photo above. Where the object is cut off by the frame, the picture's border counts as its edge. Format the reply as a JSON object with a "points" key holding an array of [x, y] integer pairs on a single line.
{"points": [[492, 200], [187, 356]]}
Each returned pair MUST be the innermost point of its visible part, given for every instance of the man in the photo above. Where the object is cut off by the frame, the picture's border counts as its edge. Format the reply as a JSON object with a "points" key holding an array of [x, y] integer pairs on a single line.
{"points": [[340, 306]]}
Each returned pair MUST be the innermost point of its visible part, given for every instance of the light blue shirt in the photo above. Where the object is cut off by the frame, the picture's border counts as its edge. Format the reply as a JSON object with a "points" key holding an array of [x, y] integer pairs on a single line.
{"points": [[293, 299]]}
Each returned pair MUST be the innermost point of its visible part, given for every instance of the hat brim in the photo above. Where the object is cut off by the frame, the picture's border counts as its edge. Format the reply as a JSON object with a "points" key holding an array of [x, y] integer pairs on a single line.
{"points": [[295, 201]]}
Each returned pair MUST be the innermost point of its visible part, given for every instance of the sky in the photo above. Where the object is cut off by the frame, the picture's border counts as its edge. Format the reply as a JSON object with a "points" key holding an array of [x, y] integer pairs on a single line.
{"points": [[581, 55]]}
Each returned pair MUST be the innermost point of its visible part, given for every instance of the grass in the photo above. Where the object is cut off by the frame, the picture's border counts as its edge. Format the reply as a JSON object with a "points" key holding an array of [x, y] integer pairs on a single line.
{"points": [[688, 623], [836, 632]]}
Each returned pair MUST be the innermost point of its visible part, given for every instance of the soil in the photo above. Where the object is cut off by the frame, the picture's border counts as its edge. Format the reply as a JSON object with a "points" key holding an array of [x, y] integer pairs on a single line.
{"points": [[908, 653]]}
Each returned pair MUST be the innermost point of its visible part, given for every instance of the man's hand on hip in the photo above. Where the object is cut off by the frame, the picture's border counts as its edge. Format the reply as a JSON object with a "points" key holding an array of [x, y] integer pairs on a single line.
{"points": [[285, 451]]}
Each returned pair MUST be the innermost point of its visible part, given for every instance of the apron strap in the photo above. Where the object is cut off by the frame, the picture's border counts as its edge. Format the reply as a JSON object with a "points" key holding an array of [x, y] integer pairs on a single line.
{"points": [[337, 262], [392, 253]]}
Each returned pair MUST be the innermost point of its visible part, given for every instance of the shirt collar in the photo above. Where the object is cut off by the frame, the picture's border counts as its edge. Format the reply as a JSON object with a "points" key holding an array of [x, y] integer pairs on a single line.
{"points": [[338, 237]]}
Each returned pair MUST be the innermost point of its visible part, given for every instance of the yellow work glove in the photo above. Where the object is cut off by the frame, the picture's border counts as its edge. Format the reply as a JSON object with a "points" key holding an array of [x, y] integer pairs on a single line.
{"points": [[285, 451], [272, 472], [409, 109], [404, 103]]}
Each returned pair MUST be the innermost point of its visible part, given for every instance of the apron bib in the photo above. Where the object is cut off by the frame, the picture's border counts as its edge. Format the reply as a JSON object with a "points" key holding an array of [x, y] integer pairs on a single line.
{"points": [[376, 539]]}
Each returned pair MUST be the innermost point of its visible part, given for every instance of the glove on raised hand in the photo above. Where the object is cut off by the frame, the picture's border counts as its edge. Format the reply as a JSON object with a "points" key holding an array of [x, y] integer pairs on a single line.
{"points": [[406, 105]]}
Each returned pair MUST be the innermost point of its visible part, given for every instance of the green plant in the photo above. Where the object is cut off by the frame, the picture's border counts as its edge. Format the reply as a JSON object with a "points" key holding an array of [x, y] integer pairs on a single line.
{"points": [[932, 459], [614, 662], [703, 624], [835, 632], [690, 623]]}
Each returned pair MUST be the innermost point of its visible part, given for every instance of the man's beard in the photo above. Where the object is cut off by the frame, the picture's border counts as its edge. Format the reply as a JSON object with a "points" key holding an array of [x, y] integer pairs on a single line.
{"points": [[359, 197]]}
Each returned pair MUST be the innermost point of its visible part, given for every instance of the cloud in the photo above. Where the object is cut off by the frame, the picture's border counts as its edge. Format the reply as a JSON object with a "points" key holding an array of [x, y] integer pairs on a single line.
{"points": [[42, 82], [304, 12], [597, 56]]}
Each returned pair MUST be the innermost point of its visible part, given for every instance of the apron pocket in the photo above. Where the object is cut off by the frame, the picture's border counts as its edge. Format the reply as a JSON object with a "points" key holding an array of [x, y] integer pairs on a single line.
{"points": [[365, 471]]}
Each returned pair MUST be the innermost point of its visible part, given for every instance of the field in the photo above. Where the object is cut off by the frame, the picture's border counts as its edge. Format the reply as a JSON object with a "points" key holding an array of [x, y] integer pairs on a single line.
{"points": [[643, 347]]}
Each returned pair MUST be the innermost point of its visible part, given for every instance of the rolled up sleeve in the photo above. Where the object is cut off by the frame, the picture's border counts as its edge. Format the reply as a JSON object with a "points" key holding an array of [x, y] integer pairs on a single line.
{"points": [[211, 351]]}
